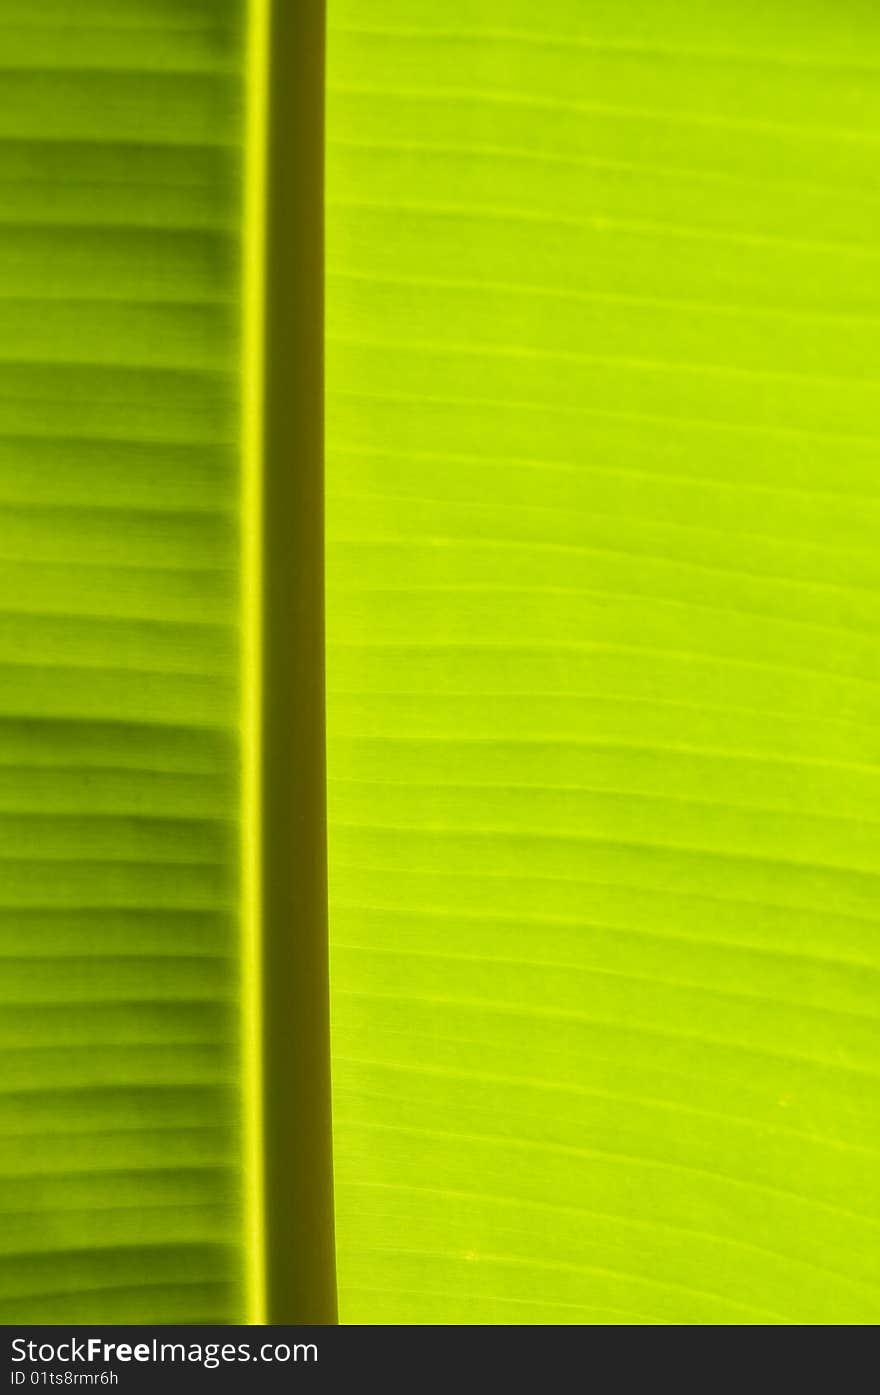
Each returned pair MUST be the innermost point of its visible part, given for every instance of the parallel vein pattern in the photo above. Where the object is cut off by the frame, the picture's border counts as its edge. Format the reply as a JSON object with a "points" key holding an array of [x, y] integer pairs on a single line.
{"points": [[120, 153], [604, 605]]}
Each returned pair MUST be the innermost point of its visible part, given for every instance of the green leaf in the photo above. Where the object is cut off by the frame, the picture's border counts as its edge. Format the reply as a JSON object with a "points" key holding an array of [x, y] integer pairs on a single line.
{"points": [[603, 668], [602, 617], [121, 1176], [164, 1111]]}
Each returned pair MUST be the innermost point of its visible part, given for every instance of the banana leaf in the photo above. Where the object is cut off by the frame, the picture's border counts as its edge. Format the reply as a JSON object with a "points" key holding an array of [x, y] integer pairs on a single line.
{"points": [[603, 776]]}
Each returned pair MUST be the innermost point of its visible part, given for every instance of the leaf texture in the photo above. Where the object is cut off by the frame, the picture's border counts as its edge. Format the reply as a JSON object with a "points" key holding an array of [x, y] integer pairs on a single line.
{"points": [[120, 221], [603, 660]]}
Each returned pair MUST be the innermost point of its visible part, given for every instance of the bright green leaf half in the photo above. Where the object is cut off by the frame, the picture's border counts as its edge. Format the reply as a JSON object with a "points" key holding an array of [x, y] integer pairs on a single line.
{"points": [[604, 593]]}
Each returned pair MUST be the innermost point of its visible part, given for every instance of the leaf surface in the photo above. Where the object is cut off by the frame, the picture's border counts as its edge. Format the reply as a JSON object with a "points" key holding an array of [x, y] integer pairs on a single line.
{"points": [[603, 668], [121, 1099]]}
